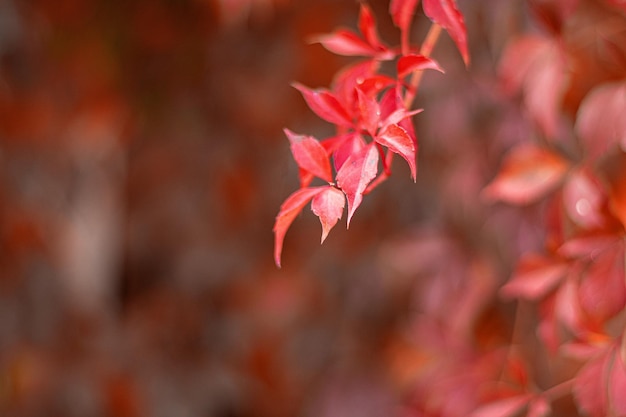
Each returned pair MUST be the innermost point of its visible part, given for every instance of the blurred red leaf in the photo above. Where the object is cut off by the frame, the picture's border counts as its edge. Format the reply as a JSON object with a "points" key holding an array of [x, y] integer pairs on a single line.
{"points": [[587, 245], [345, 42], [536, 65], [398, 141], [402, 12], [528, 173], [325, 105], [617, 386], [367, 26], [328, 205], [534, 277], [446, 14], [357, 171], [411, 63], [538, 407], [310, 155], [602, 291], [289, 210], [567, 307], [600, 122], [589, 389], [583, 197], [502, 408]]}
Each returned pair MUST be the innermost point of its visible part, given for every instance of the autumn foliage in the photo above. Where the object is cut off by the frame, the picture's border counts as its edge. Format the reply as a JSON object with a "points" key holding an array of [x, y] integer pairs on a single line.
{"points": [[565, 174]]}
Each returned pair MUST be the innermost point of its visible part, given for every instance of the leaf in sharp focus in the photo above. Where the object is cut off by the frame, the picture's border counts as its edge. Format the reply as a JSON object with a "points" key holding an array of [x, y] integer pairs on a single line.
{"points": [[310, 155], [506, 407], [590, 388], [369, 112], [345, 42], [447, 15], [289, 210], [398, 141], [601, 120], [328, 206], [346, 80], [527, 174], [393, 110], [355, 174], [411, 63], [534, 277], [402, 12], [351, 145], [325, 105]]}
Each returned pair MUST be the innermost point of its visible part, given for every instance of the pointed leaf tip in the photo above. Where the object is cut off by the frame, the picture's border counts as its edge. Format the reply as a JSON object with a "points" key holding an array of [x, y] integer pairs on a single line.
{"points": [[355, 174], [325, 104], [310, 155], [446, 14], [328, 205], [398, 141], [289, 210]]}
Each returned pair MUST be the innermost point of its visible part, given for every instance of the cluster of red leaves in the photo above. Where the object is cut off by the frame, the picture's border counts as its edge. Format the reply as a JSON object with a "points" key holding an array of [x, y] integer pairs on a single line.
{"points": [[570, 78], [576, 170], [371, 112]]}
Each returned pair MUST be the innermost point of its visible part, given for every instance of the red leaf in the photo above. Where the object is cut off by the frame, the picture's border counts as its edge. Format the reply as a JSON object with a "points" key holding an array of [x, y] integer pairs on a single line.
{"points": [[534, 277], [375, 84], [583, 198], [567, 306], [289, 210], [616, 178], [537, 66], [325, 105], [602, 291], [411, 63], [538, 407], [328, 206], [357, 171], [310, 155], [527, 174], [352, 145], [398, 116], [349, 78], [601, 123], [587, 245], [402, 12], [617, 386], [367, 26], [398, 141], [345, 42], [305, 177], [590, 388], [393, 111], [502, 408], [446, 14], [369, 112]]}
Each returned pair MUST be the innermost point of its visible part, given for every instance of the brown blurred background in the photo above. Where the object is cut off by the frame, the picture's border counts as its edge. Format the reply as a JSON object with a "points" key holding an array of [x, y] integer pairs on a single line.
{"points": [[142, 163]]}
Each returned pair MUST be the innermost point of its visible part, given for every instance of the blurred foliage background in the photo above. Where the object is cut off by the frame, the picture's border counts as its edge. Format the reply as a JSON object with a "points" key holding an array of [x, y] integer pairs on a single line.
{"points": [[142, 163]]}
